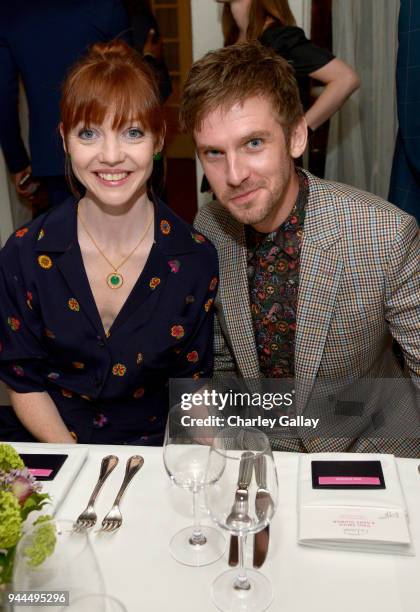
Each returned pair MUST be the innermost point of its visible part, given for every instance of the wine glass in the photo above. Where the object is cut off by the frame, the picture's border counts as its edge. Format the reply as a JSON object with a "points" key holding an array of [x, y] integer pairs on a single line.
{"points": [[242, 505], [185, 457], [71, 567]]}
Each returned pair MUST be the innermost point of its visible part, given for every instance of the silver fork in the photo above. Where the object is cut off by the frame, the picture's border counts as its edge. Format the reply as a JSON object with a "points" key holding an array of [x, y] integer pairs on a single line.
{"points": [[113, 520], [88, 517]]}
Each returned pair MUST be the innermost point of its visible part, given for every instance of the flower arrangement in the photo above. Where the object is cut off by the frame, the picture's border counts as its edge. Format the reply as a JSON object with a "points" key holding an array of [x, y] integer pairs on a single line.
{"points": [[19, 496]]}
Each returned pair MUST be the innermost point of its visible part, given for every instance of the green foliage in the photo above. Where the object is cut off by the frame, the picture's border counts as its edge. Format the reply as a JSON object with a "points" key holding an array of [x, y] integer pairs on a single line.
{"points": [[9, 458], [42, 545], [10, 520], [18, 497], [35, 502]]}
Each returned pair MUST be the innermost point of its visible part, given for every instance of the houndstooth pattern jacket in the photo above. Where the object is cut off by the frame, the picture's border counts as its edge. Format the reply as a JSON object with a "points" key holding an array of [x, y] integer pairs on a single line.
{"points": [[359, 286]]}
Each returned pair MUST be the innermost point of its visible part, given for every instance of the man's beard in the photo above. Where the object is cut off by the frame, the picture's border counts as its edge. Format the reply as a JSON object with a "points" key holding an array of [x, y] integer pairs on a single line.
{"points": [[252, 213]]}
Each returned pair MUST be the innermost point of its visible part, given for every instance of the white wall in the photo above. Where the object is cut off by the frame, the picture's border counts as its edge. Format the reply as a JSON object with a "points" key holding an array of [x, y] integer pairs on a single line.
{"points": [[6, 219], [207, 35], [301, 9]]}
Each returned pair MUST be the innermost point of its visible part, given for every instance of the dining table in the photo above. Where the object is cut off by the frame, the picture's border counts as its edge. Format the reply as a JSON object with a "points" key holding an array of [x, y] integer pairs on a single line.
{"points": [[138, 569]]}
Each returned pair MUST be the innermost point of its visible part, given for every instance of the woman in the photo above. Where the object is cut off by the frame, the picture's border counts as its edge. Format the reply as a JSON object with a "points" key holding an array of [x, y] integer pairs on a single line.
{"points": [[272, 23], [105, 297]]}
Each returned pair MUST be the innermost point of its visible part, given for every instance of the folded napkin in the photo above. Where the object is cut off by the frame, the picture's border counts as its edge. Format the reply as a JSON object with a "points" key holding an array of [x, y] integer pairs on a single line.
{"points": [[66, 476], [372, 520]]}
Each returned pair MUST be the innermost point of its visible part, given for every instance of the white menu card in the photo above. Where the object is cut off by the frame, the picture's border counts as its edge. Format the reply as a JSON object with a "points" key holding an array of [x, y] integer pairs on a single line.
{"points": [[372, 520]]}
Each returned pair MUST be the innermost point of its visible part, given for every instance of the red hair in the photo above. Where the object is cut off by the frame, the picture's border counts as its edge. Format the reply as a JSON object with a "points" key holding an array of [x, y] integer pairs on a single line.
{"points": [[111, 78]]}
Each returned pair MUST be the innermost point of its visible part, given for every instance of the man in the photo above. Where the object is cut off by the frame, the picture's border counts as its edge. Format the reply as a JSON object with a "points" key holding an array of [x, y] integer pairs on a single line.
{"points": [[315, 276]]}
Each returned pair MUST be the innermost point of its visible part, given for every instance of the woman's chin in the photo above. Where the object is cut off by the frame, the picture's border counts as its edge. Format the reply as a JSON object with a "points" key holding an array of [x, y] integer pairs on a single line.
{"points": [[119, 197]]}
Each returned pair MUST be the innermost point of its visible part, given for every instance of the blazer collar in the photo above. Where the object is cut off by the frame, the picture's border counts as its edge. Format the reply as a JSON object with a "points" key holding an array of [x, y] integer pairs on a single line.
{"points": [[321, 226]]}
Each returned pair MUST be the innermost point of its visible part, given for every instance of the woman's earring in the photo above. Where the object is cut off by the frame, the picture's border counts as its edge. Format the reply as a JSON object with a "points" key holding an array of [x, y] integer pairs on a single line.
{"points": [[157, 156]]}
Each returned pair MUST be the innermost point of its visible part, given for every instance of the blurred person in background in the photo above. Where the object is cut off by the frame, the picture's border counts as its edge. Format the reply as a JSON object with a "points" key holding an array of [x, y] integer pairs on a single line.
{"points": [[145, 38], [272, 23], [38, 43]]}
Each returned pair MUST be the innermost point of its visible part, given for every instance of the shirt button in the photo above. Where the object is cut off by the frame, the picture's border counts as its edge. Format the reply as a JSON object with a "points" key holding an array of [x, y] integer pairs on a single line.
{"points": [[100, 341]]}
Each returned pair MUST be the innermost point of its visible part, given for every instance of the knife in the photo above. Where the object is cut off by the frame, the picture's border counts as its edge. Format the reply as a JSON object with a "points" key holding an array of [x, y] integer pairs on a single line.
{"points": [[241, 497], [263, 507]]}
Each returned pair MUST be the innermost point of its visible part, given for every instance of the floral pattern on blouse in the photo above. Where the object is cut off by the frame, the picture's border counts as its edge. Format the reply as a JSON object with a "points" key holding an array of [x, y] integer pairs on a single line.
{"points": [[119, 369], [165, 227], [21, 232], [74, 305], [154, 282], [174, 265], [45, 262]]}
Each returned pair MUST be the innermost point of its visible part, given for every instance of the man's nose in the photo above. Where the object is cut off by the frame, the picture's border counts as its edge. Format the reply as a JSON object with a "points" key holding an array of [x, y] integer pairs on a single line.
{"points": [[112, 151], [236, 171]]}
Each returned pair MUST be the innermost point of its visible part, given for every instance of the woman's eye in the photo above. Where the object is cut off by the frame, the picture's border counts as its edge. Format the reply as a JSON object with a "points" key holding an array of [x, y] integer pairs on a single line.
{"points": [[134, 133], [255, 143], [87, 134]]}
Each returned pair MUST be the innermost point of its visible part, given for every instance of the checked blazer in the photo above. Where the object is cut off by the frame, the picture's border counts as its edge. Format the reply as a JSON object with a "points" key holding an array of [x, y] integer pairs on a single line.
{"points": [[359, 286]]}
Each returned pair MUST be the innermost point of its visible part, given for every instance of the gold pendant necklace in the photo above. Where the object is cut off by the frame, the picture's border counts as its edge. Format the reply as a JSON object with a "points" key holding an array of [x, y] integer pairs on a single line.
{"points": [[115, 279]]}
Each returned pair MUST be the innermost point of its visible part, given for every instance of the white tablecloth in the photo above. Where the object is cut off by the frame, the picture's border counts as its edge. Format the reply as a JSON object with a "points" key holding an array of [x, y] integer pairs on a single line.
{"points": [[139, 570]]}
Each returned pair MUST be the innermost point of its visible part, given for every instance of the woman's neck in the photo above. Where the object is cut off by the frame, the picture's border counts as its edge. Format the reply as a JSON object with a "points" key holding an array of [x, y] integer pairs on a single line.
{"points": [[116, 225]]}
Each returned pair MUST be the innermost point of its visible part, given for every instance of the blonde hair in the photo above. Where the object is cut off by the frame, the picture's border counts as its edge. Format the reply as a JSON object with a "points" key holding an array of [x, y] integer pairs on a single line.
{"points": [[278, 10], [232, 74]]}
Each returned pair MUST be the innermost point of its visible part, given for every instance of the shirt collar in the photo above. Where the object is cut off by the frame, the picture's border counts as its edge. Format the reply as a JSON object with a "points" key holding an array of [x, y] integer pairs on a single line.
{"points": [[58, 230], [292, 227]]}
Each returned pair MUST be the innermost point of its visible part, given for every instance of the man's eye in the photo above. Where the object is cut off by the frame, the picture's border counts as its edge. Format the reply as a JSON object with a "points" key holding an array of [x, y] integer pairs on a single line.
{"points": [[87, 134], [255, 143], [134, 133]]}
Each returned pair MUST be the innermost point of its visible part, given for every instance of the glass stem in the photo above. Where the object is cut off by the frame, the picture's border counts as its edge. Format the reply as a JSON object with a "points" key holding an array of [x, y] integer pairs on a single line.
{"points": [[241, 580], [198, 538]]}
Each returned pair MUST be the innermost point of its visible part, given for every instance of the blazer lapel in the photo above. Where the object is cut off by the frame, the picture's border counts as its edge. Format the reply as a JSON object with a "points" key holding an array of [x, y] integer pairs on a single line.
{"points": [[235, 299], [319, 280]]}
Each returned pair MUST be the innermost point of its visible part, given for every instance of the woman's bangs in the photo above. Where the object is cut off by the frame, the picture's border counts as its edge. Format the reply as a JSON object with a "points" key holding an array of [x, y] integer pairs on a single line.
{"points": [[119, 97]]}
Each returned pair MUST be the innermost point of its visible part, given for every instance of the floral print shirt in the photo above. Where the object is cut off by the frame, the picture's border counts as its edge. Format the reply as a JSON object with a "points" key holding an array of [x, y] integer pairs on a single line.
{"points": [[109, 387], [273, 276]]}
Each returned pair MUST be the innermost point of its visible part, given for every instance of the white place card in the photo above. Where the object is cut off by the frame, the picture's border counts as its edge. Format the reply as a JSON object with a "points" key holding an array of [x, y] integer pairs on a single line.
{"points": [[362, 520]]}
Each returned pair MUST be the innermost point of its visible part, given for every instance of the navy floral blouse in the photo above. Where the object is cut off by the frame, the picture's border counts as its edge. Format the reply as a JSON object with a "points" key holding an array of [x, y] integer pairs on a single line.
{"points": [[108, 387]]}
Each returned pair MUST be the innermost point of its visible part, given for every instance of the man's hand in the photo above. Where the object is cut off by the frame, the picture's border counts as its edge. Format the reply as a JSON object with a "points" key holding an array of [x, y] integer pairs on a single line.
{"points": [[153, 46]]}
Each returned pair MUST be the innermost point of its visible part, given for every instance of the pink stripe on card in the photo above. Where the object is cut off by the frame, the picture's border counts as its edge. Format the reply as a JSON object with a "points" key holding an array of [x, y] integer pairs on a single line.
{"points": [[349, 480], [40, 471]]}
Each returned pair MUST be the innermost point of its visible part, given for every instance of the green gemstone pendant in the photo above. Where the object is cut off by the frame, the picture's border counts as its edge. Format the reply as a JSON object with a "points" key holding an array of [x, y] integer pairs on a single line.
{"points": [[114, 280]]}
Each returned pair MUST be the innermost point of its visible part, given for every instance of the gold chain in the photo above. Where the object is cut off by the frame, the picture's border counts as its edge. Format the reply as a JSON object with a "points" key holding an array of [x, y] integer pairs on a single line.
{"points": [[115, 268]]}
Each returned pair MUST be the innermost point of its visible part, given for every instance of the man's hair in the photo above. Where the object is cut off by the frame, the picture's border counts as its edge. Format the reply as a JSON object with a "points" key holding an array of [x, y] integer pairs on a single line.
{"points": [[233, 74]]}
